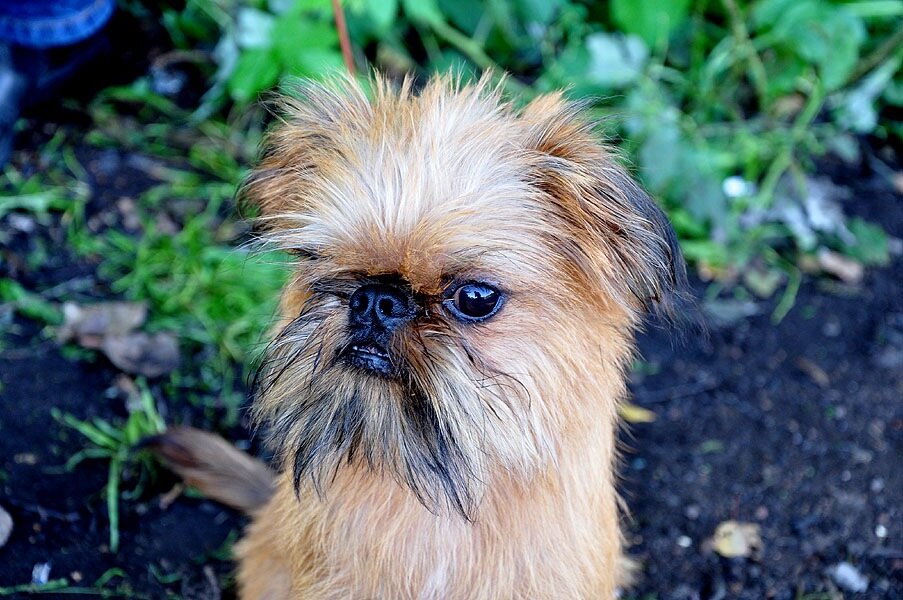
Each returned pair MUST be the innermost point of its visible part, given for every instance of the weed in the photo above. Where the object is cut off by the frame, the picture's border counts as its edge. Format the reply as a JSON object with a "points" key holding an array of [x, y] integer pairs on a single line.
{"points": [[115, 443], [28, 304], [62, 586]]}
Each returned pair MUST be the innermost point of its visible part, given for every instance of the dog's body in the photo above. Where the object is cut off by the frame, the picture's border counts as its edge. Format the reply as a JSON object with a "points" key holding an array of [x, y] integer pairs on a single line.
{"points": [[442, 390]]}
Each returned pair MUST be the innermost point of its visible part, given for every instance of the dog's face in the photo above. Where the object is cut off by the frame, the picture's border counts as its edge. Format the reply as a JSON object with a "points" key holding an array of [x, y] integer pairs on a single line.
{"points": [[468, 280]]}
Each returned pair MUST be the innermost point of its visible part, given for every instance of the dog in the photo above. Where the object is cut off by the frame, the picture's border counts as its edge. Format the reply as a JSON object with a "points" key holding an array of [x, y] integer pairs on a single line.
{"points": [[442, 387]]}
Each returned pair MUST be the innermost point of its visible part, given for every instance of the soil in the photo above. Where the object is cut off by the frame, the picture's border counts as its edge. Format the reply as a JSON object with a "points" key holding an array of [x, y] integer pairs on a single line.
{"points": [[795, 427]]}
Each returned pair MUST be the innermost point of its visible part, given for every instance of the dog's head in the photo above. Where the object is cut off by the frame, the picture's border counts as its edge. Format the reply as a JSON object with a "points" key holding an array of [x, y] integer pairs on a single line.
{"points": [[468, 280]]}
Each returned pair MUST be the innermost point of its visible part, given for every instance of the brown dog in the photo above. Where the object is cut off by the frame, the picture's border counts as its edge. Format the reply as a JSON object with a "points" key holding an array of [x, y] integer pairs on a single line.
{"points": [[442, 391]]}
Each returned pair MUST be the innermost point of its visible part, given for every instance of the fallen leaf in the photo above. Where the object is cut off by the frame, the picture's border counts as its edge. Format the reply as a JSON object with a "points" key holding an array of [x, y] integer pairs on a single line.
{"points": [[90, 324], [145, 354], [111, 328], [734, 539], [815, 373], [636, 414], [6, 526], [845, 269]]}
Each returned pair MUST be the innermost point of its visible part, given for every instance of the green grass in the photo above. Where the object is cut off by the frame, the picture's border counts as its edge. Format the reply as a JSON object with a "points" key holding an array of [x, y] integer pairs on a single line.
{"points": [[115, 443], [62, 586]]}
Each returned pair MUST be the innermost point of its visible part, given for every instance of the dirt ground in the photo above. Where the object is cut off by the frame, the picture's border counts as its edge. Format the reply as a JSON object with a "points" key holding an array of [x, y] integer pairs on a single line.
{"points": [[796, 427]]}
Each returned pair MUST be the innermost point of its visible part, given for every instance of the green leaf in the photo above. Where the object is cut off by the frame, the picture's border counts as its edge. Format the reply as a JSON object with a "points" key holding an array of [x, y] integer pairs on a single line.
{"points": [[652, 21], [29, 304], [660, 154], [257, 70], [615, 60], [538, 11], [857, 110], [39, 203], [423, 12], [466, 14], [306, 48], [254, 28], [871, 246], [315, 63], [766, 13], [705, 251], [383, 13], [819, 33]]}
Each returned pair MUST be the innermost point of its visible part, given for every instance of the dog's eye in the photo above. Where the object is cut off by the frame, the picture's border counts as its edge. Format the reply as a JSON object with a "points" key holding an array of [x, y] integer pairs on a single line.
{"points": [[474, 301]]}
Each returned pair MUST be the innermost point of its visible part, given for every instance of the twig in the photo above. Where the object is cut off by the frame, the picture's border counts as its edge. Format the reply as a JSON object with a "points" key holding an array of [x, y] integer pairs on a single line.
{"points": [[344, 40]]}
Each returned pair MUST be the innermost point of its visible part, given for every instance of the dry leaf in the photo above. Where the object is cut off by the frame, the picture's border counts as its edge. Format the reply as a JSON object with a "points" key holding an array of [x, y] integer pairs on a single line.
{"points": [[89, 325], [734, 539], [636, 414], [143, 354], [110, 327], [845, 269], [6, 526], [815, 373]]}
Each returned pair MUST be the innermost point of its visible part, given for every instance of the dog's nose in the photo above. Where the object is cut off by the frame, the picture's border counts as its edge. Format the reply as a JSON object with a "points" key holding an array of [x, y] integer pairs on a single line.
{"points": [[380, 306]]}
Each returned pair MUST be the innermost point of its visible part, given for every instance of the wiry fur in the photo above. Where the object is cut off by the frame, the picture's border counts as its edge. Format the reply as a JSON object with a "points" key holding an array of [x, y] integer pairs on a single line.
{"points": [[483, 468]]}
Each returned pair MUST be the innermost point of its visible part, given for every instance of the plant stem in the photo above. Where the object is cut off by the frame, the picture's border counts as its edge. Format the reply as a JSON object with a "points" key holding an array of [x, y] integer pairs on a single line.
{"points": [[788, 298], [877, 56], [344, 40], [475, 53], [783, 160], [113, 501], [756, 67]]}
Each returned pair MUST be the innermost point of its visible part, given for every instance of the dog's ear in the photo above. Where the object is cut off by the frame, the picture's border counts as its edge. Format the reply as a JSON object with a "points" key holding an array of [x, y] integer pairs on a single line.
{"points": [[300, 144], [617, 236]]}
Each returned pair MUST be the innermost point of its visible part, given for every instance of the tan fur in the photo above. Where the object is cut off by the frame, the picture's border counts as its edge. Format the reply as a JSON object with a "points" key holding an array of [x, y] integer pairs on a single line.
{"points": [[210, 463], [451, 184]]}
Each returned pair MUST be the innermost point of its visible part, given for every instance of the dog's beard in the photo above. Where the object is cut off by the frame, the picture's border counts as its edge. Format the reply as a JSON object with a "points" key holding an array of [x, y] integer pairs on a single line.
{"points": [[433, 426]]}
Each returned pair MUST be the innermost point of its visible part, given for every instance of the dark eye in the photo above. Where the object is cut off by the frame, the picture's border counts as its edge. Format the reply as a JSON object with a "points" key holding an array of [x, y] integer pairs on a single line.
{"points": [[474, 301]]}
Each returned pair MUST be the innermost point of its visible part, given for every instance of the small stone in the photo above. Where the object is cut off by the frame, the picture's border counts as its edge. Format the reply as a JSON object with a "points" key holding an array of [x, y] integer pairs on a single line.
{"points": [[848, 577], [684, 541], [40, 573], [76, 576], [22, 223], [25, 458], [877, 485], [881, 531], [832, 327], [692, 512], [6, 526]]}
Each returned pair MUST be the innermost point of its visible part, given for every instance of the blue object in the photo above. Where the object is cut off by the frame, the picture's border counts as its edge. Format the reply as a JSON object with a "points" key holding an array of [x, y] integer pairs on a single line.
{"points": [[48, 23]]}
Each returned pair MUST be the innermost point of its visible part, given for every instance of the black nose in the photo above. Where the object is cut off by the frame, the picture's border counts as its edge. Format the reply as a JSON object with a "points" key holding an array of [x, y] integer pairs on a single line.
{"points": [[378, 307]]}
